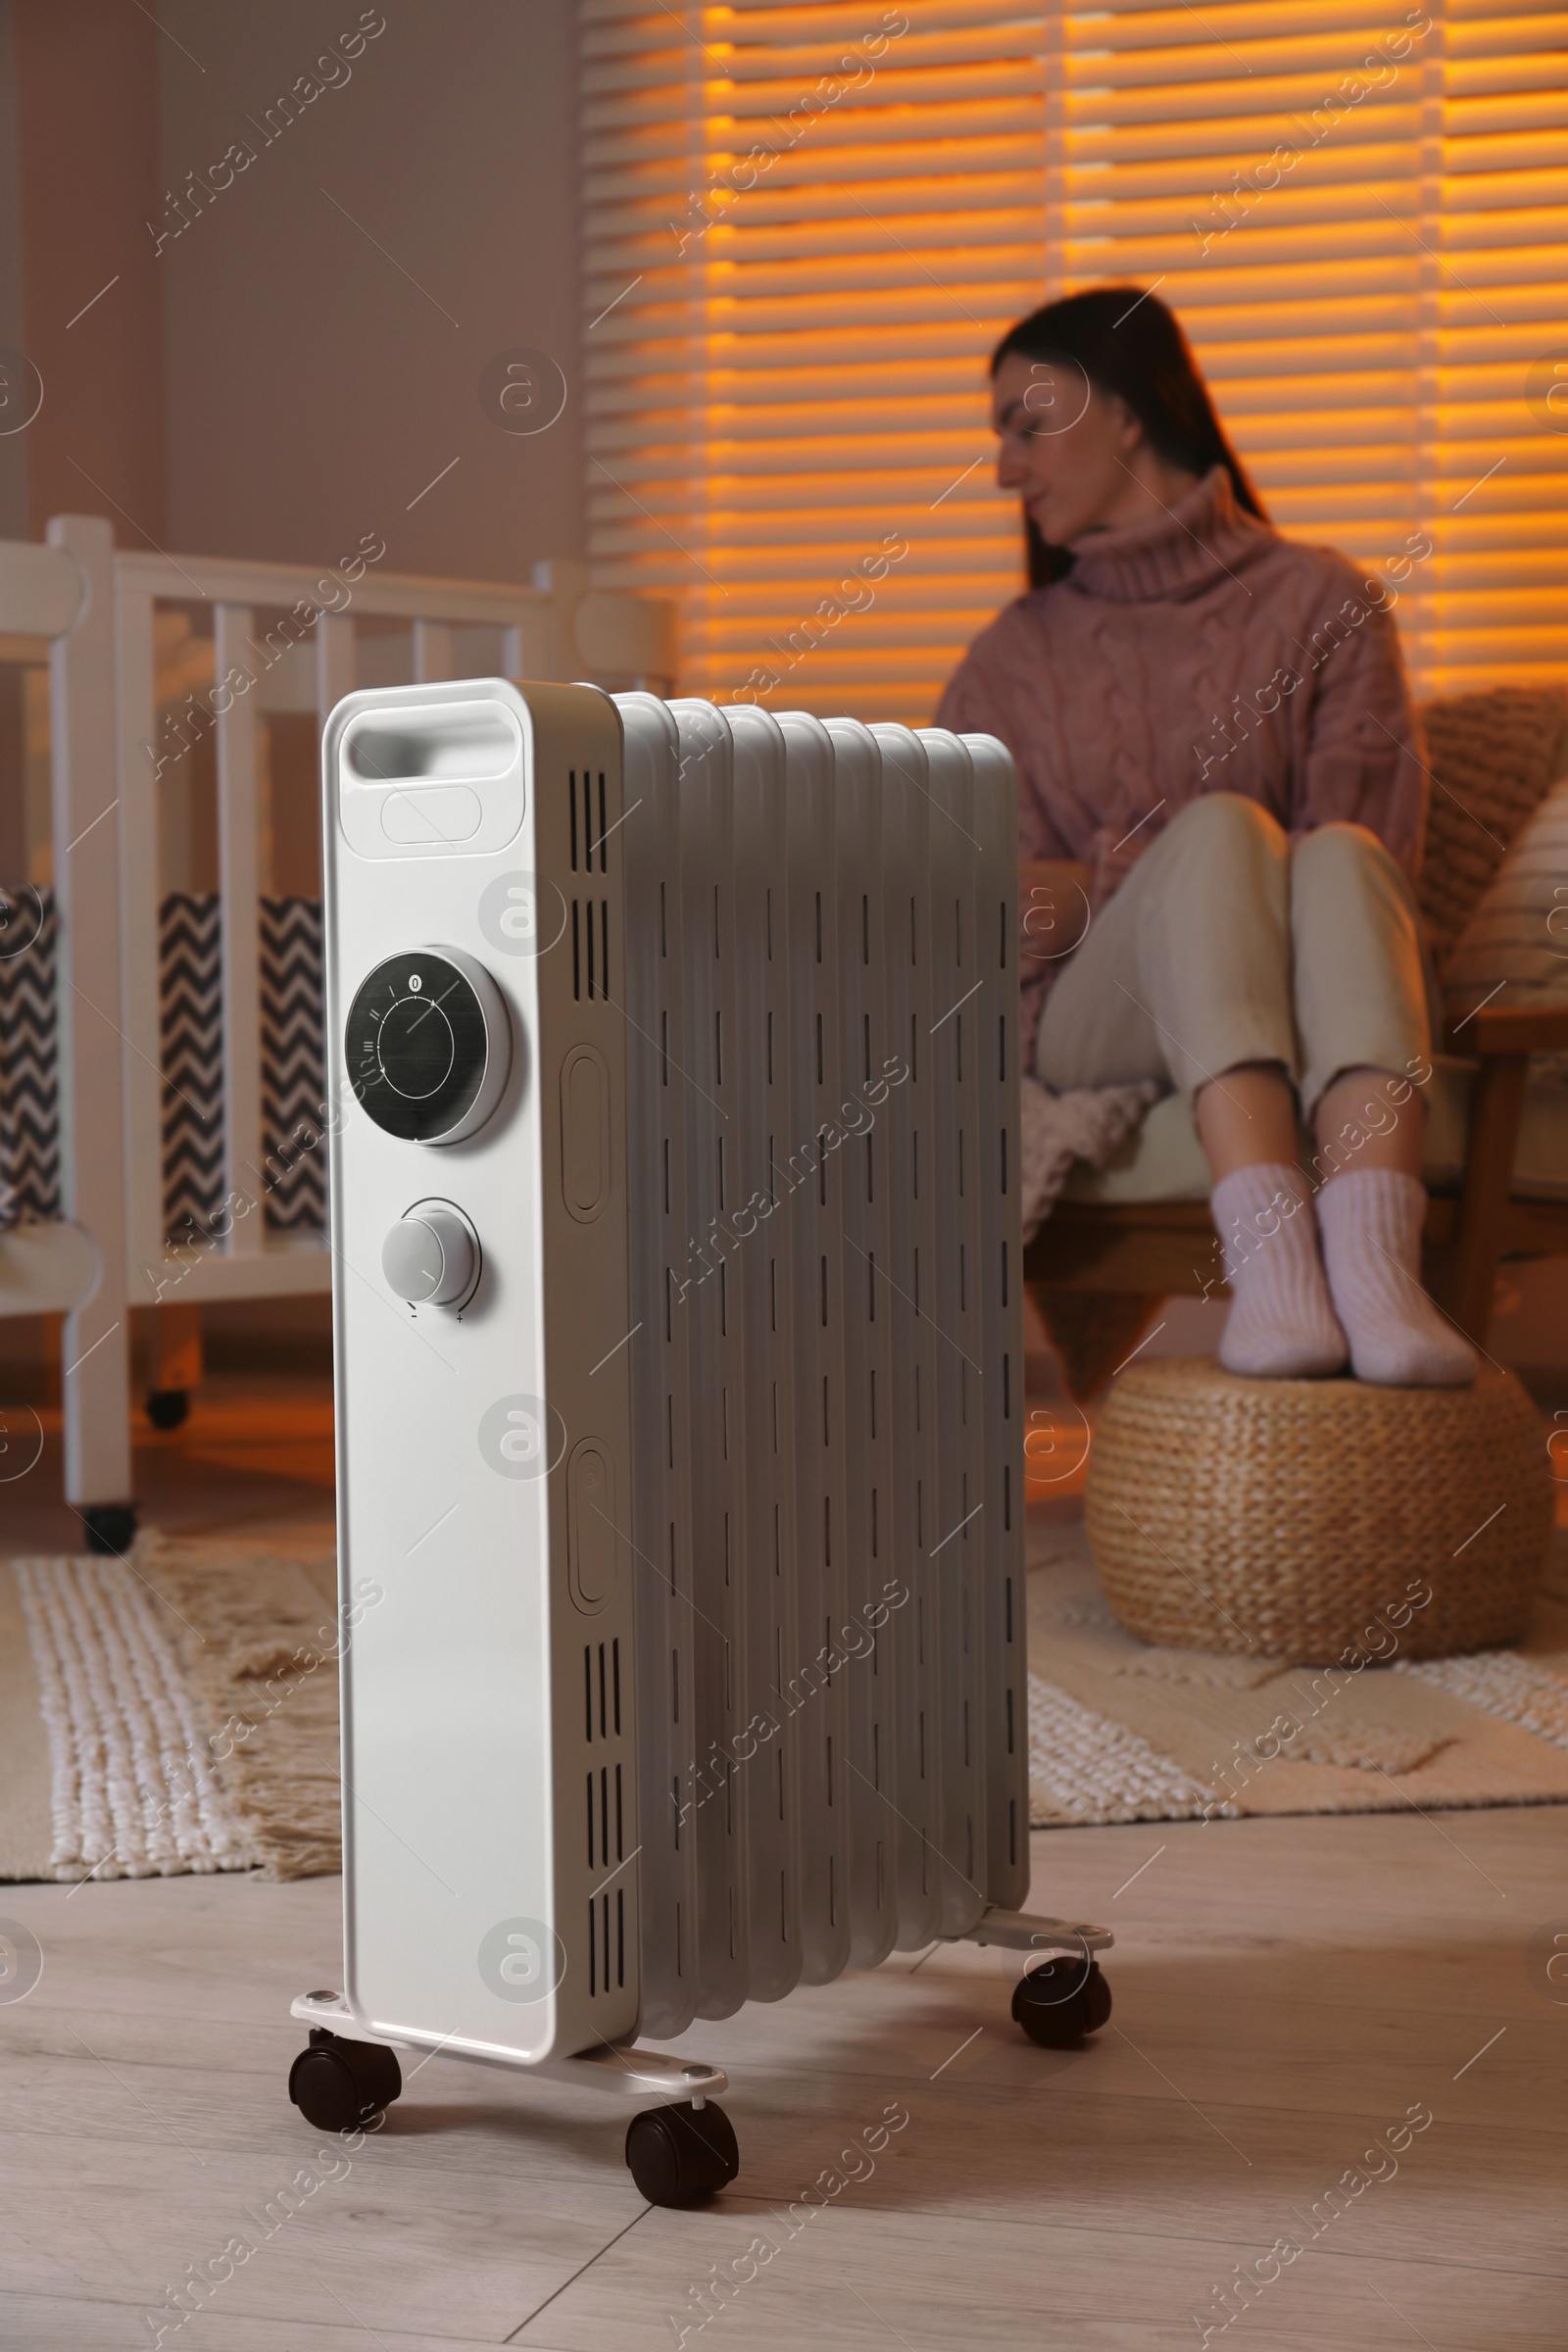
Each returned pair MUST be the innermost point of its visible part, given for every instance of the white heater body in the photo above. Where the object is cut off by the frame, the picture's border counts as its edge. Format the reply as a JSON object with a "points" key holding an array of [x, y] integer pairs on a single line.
{"points": [[677, 1314]]}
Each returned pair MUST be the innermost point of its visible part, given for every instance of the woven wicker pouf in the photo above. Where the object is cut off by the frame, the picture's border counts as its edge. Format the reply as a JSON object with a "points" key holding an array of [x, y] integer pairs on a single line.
{"points": [[1303, 1519]]}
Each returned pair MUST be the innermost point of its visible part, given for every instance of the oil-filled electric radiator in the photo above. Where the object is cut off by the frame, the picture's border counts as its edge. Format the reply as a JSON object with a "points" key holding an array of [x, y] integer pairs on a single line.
{"points": [[675, 1205]]}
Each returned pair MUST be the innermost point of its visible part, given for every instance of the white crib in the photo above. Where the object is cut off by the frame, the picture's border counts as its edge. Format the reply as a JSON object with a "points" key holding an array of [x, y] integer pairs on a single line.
{"points": [[108, 1136]]}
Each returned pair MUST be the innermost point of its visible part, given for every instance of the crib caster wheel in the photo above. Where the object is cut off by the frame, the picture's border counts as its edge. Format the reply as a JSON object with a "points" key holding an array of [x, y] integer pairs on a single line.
{"points": [[681, 2155], [1057, 2005], [111, 1527], [167, 1409], [337, 2085]]}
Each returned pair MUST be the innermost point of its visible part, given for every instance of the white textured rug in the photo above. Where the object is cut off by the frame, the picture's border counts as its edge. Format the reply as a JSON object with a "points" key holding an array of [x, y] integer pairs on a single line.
{"points": [[1122, 1732], [174, 1711], [133, 1786]]}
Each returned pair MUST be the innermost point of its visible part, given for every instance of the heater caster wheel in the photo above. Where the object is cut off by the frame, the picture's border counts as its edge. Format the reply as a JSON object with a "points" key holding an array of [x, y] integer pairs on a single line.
{"points": [[167, 1409], [337, 2085], [681, 2155], [1057, 2005]]}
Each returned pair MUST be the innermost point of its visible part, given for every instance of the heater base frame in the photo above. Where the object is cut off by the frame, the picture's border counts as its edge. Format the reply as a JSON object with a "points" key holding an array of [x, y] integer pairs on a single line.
{"points": [[620, 2069], [625, 2070], [689, 2174], [1032, 1932]]}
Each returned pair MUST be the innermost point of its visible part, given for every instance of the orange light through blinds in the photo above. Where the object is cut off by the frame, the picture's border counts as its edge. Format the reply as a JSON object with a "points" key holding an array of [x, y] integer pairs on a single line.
{"points": [[778, 410], [1356, 210], [807, 227]]}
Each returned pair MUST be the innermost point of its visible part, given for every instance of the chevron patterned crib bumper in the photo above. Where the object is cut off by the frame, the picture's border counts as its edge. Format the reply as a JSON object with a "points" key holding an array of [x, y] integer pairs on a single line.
{"points": [[292, 1180], [29, 1099]]}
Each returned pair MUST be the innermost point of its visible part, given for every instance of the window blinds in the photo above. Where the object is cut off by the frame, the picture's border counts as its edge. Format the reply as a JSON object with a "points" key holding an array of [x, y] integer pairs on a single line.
{"points": [[806, 226]]}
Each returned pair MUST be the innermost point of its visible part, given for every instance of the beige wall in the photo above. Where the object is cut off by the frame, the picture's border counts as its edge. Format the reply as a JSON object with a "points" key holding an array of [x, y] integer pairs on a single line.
{"points": [[13, 447], [313, 390], [270, 382], [86, 96], [77, 99]]}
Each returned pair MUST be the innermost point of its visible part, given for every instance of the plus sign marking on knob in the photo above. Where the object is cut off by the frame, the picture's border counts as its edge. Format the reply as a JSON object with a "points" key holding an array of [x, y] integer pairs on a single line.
{"points": [[431, 1257]]}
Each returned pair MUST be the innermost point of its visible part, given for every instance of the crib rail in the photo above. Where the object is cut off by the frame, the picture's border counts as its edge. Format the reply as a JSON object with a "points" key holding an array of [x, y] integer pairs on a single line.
{"points": [[260, 664], [284, 637]]}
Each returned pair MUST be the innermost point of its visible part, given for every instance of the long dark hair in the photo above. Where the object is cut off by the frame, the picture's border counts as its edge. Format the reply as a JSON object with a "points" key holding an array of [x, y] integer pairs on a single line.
{"points": [[1132, 345]]}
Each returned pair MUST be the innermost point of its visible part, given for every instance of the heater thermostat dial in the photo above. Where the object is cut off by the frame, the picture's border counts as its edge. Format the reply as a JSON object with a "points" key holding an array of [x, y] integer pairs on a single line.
{"points": [[427, 1045], [431, 1256]]}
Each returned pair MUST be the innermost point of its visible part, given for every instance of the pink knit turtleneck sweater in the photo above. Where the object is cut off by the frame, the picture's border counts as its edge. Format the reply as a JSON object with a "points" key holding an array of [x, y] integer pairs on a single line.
{"points": [[1202, 653]]}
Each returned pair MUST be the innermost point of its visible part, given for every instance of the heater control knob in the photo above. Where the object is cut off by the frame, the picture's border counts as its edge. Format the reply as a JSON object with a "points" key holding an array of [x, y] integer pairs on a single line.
{"points": [[431, 1256]]}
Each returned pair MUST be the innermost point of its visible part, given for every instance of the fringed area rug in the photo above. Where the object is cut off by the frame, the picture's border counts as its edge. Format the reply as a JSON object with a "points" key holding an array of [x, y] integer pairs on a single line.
{"points": [[1122, 1732], [173, 1711]]}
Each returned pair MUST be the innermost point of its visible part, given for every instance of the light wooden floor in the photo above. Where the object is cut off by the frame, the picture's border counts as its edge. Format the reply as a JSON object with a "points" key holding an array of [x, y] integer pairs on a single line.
{"points": [[1285, 1991]]}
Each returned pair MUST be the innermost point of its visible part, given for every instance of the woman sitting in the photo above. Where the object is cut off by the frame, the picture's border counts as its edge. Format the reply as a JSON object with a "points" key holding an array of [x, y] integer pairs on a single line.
{"points": [[1216, 719]]}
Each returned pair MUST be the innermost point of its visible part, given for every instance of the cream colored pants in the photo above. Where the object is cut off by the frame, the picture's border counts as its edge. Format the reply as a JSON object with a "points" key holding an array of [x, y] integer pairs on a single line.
{"points": [[1228, 943]]}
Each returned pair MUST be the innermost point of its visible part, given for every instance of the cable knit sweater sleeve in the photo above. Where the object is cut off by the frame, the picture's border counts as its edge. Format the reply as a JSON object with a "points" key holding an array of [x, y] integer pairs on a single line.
{"points": [[981, 699], [1364, 761]]}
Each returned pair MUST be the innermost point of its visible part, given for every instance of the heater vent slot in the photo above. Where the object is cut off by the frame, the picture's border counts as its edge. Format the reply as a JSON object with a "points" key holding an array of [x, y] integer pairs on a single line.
{"points": [[606, 1943], [589, 950], [600, 1677], [590, 851]]}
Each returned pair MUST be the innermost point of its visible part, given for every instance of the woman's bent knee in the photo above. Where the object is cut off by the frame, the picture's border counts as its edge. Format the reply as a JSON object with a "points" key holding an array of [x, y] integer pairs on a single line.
{"points": [[1342, 846], [1343, 864]]}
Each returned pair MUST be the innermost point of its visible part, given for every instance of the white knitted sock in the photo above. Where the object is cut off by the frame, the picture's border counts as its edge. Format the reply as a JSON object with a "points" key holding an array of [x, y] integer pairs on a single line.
{"points": [[1371, 1222], [1281, 1325]]}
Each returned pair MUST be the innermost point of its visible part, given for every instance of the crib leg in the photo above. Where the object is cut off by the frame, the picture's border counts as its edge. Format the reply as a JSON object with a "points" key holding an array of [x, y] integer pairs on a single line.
{"points": [[175, 1365], [95, 1352], [95, 1393], [110, 1527]]}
